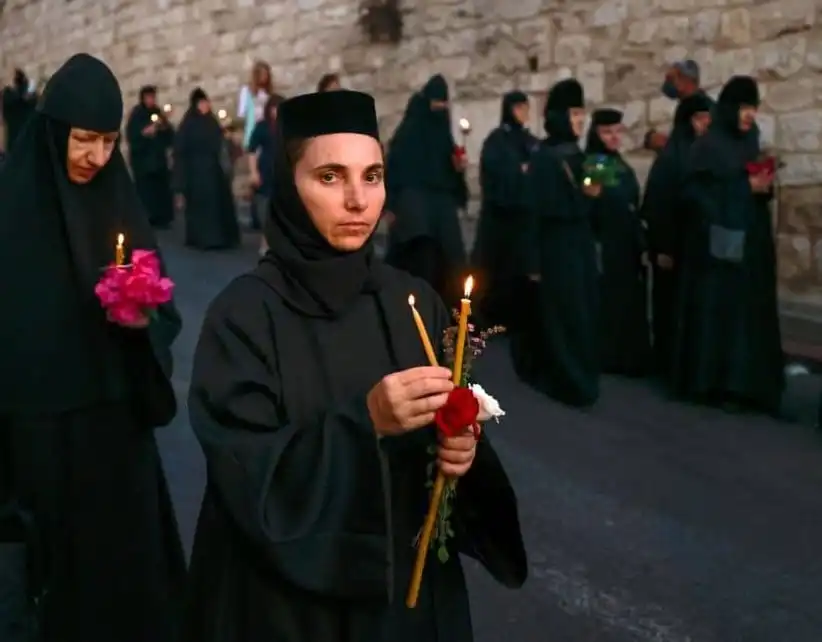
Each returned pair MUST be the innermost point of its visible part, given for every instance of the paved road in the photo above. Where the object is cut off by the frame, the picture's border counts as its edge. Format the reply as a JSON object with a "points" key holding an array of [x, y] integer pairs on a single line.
{"points": [[645, 520]]}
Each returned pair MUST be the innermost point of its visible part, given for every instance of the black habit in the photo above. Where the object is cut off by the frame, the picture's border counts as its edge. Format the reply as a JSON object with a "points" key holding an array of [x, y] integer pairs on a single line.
{"points": [[149, 159], [201, 179], [728, 347], [557, 347], [625, 333], [18, 106], [80, 395], [425, 193], [501, 227], [665, 212], [308, 520]]}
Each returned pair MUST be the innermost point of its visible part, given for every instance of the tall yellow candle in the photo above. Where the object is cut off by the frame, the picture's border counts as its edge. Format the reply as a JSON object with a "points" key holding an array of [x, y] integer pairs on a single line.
{"points": [[462, 330], [426, 341], [120, 250]]}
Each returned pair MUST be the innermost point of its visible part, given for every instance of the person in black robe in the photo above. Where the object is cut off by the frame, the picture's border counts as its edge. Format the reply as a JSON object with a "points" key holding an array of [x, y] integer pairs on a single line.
{"points": [[317, 480], [426, 188], [150, 136], [621, 248], [728, 348], [664, 213], [556, 349], [503, 169], [81, 395], [202, 184], [18, 106]]}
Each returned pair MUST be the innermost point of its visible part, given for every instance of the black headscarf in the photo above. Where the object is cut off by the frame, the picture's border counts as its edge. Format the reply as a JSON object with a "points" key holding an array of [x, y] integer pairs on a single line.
{"points": [[199, 133], [420, 154], [725, 149], [518, 132], [565, 95], [312, 277], [600, 118], [55, 238]]}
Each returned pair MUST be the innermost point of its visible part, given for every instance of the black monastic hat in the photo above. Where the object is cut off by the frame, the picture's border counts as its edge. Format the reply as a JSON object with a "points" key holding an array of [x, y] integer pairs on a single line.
{"points": [[333, 112], [566, 94], [694, 104], [740, 90], [606, 116]]}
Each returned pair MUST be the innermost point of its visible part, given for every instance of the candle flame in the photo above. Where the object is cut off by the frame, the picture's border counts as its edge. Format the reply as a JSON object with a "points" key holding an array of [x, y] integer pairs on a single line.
{"points": [[469, 286], [167, 108], [464, 124], [222, 114], [154, 118], [411, 300], [121, 239]]}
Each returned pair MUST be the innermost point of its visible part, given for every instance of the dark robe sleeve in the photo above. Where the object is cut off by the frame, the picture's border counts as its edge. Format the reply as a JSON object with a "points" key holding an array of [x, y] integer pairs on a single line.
{"points": [[501, 177], [486, 516], [310, 497], [178, 174], [660, 205]]}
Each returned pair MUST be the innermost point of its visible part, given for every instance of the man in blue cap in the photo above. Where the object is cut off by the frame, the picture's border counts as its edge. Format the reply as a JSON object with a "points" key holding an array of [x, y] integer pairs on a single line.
{"points": [[681, 80]]}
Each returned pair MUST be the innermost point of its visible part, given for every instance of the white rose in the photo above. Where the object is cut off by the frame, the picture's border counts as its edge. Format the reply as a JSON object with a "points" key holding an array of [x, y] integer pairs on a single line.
{"points": [[489, 407]]}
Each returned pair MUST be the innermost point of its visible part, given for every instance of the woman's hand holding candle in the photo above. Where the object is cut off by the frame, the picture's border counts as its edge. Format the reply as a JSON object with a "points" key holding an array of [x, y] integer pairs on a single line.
{"points": [[456, 454], [408, 400]]}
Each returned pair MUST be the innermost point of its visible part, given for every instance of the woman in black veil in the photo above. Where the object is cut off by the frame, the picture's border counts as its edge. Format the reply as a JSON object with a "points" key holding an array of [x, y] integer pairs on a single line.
{"points": [[202, 184], [79, 395], [426, 188]]}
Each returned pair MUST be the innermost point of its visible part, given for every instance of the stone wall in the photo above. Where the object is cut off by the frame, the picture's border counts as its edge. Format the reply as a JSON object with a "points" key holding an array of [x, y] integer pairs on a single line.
{"points": [[617, 48]]}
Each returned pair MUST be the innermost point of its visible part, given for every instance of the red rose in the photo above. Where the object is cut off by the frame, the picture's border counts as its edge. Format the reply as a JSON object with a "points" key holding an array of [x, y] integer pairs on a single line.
{"points": [[459, 412]]}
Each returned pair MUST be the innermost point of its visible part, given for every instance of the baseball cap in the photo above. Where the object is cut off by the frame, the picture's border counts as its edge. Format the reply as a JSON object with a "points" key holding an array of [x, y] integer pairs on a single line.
{"points": [[688, 68]]}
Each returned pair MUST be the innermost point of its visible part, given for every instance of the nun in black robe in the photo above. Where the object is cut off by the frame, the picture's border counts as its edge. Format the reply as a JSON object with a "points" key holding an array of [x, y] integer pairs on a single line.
{"points": [[664, 212], [426, 188], [557, 349], [728, 347], [80, 395], [18, 106], [201, 180], [307, 524], [148, 145], [503, 168], [625, 333]]}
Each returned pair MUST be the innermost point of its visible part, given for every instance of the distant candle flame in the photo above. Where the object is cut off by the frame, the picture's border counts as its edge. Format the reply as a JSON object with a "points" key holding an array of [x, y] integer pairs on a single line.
{"points": [[154, 118], [222, 114], [411, 300], [465, 125], [167, 108], [121, 239], [469, 286]]}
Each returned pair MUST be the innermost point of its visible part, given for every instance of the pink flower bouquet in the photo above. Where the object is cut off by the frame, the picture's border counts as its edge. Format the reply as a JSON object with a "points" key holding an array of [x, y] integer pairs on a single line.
{"points": [[130, 293]]}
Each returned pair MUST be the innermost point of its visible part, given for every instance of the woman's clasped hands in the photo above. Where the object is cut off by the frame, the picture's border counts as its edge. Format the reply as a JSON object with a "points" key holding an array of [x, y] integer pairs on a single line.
{"points": [[408, 400]]}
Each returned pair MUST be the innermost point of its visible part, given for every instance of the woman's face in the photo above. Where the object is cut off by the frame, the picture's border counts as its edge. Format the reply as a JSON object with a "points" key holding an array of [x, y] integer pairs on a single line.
{"points": [[747, 117], [262, 75], [339, 178], [88, 153], [700, 122], [521, 113], [204, 106], [577, 117], [611, 136]]}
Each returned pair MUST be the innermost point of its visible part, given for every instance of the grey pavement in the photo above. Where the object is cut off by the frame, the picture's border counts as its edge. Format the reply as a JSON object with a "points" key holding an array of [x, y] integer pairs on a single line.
{"points": [[646, 520]]}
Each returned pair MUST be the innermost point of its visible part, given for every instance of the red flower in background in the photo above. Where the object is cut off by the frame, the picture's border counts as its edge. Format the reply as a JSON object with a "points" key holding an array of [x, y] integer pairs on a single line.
{"points": [[460, 412]]}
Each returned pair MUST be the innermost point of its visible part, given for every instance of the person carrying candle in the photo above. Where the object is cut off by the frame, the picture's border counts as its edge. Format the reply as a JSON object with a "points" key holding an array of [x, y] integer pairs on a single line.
{"points": [[80, 395], [313, 399], [557, 349]]}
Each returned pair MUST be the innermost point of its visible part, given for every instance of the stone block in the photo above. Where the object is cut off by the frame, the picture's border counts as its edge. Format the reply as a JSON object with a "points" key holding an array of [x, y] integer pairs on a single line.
{"points": [[781, 58], [800, 131]]}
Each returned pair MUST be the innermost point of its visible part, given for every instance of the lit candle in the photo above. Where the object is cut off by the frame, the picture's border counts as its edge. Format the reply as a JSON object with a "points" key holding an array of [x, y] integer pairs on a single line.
{"points": [[462, 330], [154, 118], [426, 341], [465, 126], [120, 250], [167, 108], [222, 114]]}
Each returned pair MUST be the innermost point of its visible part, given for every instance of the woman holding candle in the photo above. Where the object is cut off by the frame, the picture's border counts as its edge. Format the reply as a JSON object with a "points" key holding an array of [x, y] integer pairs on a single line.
{"points": [[203, 187], [313, 399], [426, 189], [150, 136], [557, 351], [80, 395]]}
